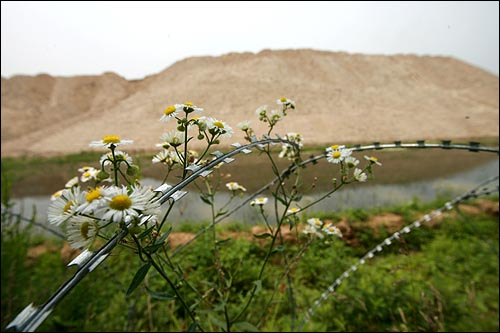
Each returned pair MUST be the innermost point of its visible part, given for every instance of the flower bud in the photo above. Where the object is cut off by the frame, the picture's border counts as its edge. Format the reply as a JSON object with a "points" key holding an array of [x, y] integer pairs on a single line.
{"points": [[133, 170], [102, 175]]}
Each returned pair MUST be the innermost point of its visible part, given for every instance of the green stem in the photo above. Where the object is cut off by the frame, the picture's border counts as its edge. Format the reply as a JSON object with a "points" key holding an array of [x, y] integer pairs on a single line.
{"points": [[115, 165], [179, 297]]}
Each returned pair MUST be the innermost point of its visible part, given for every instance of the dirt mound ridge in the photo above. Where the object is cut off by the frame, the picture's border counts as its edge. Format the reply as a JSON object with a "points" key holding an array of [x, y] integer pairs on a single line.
{"points": [[340, 98]]}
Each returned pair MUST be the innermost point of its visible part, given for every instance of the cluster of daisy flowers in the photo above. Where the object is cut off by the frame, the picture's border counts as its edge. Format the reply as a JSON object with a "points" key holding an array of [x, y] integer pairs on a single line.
{"points": [[187, 116], [86, 214], [234, 186], [272, 117], [318, 228], [314, 225], [339, 154], [291, 151]]}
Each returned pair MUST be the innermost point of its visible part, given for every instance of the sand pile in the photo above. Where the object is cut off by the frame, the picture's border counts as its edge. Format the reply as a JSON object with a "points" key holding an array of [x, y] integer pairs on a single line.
{"points": [[340, 97]]}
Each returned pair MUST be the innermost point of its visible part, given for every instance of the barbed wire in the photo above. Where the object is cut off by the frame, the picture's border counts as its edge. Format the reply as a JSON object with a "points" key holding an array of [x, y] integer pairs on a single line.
{"points": [[32, 221], [32, 317], [479, 190]]}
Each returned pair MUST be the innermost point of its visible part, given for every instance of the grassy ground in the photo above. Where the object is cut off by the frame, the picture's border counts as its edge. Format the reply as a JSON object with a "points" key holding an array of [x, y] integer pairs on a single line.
{"points": [[443, 276]]}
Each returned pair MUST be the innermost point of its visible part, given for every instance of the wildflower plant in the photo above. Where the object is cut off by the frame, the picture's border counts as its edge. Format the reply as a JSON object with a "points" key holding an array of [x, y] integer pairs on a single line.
{"points": [[109, 200]]}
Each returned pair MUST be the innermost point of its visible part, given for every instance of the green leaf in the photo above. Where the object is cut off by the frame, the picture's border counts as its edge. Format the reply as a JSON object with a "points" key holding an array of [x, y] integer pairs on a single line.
{"points": [[161, 240], [258, 286], [146, 232], [222, 241], [221, 213], [192, 327], [228, 278], [160, 296], [205, 200], [153, 248], [219, 323], [278, 248], [139, 276], [265, 235], [158, 243], [279, 199], [244, 326]]}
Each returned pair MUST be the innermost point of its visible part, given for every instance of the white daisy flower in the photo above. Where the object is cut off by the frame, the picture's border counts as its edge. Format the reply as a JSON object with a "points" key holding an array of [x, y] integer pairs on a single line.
{"points": [[188, 107], [289, 150], [261, 111], [90, 174], [337, 156], [244, 125], [276, 115], [171, 112], [334, 147], [311, 230], [234, 186], [85, 169], [373, 160], [110, 140], [295, 138], [292, 210], [72, 182], [260, 201], [82, 232], [201, 122], [119, 156], [330, 229], [315, 222], [56, 195], [64, 206], [351, 162], [166, 157], [94, 200], [119, 204], [359, 175], [173, 138], [286, 102], [221, 128]]}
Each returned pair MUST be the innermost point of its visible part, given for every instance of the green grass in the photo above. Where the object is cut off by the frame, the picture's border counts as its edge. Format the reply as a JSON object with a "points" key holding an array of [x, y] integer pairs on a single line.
{"points": [[442, 277]]}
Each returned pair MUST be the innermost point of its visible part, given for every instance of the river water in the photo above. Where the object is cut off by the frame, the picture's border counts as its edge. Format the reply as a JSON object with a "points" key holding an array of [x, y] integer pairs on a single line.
{"points": [[191, 209]]}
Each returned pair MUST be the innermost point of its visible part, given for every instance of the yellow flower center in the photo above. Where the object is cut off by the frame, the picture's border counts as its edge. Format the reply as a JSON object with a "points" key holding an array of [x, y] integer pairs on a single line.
{"points": [[68, 206], [374, 159], [120, 202], [317, 222], [169, 110], [93, 194], [188, 104], [57, 194], [86, 174], [283, 99], [84, 230], [218, 124], [336, 154], [334, 147], [111, 139]]}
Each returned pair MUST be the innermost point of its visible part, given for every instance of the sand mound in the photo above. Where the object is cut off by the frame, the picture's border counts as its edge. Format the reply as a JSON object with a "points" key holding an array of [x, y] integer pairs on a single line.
{"points": [[340, 97]]}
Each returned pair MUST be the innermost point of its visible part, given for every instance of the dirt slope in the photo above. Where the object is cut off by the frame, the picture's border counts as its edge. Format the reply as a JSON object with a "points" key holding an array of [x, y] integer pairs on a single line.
{"points": [[340, 98]]}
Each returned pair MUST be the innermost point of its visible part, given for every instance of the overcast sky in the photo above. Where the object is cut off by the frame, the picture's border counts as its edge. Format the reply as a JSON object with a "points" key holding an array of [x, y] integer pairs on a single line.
{"points": [[136, 39]]}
